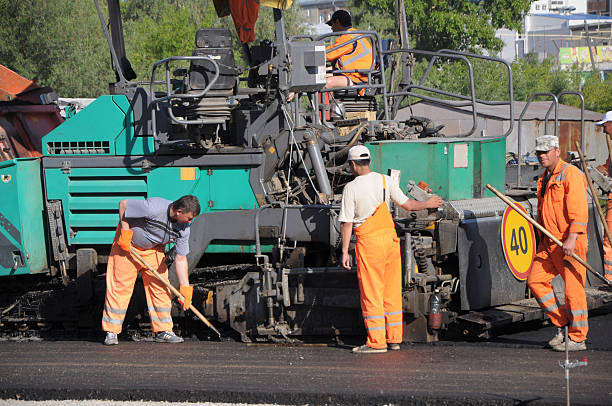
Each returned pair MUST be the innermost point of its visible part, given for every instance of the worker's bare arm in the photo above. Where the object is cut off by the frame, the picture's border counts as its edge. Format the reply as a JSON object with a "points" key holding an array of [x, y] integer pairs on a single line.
{"points": [[124, 224], [346, 230], [182, 269], [432, 203]]}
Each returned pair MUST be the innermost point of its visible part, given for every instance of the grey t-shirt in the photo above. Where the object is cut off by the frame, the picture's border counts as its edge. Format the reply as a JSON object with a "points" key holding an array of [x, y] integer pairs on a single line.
{"points": [[150, 221]]}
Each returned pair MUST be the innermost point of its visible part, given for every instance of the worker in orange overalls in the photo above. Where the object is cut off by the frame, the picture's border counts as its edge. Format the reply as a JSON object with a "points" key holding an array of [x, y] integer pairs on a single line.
{"points": [[353, 55], [606, 122], [563, 211], [147, 226], [365, 209]]}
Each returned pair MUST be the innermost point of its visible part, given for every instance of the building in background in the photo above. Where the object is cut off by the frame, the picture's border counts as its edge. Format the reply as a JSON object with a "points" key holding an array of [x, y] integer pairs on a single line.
{"points": [[563, 29], [318, 12], [601, 7]]}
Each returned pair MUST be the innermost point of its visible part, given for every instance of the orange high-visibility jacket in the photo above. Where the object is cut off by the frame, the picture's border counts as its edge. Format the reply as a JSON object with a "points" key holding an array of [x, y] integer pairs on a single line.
{"points": [[564, 207], [355, 55]]}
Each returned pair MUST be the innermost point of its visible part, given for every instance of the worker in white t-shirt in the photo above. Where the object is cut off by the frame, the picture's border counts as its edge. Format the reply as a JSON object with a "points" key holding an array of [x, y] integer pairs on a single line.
{"points": [[365, 210]]}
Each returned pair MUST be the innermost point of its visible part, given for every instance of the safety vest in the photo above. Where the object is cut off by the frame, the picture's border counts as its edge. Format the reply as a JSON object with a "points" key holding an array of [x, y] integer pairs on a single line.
{"points": [[355, 55], [563, 208]]}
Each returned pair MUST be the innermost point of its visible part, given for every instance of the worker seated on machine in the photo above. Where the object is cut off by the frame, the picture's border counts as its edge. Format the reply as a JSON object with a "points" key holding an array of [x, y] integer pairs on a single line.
{"points": [[353, 55]]}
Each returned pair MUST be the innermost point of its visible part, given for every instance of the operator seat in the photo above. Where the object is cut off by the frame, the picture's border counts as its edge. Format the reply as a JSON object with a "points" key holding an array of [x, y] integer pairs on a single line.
{"points": [[375, 76]]}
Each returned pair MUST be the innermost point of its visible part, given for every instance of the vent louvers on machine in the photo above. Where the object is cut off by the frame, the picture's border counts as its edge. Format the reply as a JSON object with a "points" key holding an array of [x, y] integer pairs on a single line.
{"points": [[93, 205], [78, 147]]}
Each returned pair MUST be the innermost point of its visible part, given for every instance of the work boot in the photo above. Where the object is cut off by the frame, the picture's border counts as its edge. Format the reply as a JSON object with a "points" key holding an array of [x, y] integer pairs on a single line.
{"points": [[364, 349], [167, 337], [571, 346], [111, 339], [393, 346], [559, 338]]}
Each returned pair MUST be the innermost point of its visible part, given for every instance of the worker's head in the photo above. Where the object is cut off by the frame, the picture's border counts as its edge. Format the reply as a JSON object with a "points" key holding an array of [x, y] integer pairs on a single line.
{"points": [[606, 122], [340, 21], [358, 159], [547, 151], [185, 209]]}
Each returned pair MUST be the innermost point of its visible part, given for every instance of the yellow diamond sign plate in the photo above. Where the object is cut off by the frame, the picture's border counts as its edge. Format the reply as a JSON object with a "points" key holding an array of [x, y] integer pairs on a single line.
{"points": [[518, 243]]}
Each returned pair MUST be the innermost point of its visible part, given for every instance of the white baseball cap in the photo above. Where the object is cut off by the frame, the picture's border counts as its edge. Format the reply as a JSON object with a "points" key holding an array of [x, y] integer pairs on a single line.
{"points": [[358, 152], [607, 117]]}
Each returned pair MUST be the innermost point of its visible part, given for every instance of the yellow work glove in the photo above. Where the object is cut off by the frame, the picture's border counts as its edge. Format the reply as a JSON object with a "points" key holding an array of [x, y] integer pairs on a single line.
{"points": [[125, 239], [187, 292]]}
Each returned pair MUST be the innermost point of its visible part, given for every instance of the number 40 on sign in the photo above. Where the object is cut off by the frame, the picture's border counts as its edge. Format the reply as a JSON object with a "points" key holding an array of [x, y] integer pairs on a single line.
{"points": [[518, 243]]}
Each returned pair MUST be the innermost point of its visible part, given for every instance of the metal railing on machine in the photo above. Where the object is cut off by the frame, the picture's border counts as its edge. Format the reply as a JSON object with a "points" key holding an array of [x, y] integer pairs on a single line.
{"points": [[169, 94], [407, 90], [376, 83], [554, 104]]}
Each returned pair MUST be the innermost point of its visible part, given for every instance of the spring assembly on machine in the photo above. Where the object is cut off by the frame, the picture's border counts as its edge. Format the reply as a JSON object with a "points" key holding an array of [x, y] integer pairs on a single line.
{"points": [[419, 255]]}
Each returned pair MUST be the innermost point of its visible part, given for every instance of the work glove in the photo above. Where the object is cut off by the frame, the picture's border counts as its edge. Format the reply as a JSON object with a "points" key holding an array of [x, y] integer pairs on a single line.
{"points": [[187, 292], [125, 239]]}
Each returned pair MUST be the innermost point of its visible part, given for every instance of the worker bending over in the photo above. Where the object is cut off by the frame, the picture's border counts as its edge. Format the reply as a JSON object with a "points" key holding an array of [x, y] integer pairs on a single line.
{"points": [[365, 209], [606, 122], [563, 211], [147, 226], [353, 55]]}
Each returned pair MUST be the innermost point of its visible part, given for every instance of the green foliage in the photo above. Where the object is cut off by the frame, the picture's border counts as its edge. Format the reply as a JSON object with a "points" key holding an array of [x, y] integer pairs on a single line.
{"points": [[465, 25], [157, 30], [58, 42], [598, 93], [529, 77]]}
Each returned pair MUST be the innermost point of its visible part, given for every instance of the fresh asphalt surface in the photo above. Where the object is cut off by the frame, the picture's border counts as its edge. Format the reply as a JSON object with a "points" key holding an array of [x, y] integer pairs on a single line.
{"points": [[512, 369]]}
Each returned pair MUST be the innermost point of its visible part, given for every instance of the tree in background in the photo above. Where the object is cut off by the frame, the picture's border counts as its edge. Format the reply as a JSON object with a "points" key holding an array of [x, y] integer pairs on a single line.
{"points": [[59, 42], [160, 29], [597, 93], [464, 25]]}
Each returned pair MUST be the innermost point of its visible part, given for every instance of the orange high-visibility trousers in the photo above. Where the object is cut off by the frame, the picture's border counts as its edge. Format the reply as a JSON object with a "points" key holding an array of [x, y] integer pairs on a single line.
{"points": [[606, 245], [121, 274], [379, 270], [550, 262]]}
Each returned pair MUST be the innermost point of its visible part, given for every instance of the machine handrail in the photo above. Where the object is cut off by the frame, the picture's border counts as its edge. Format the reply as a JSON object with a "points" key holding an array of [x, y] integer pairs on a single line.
{"points": [[555, 103], [510, 84], [169, 95], [406, 90], [376, 50], [581, 113]]}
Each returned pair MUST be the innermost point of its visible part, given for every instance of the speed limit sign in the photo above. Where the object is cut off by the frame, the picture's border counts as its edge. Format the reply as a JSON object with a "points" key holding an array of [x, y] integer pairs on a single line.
{"points": [[518, 243]]}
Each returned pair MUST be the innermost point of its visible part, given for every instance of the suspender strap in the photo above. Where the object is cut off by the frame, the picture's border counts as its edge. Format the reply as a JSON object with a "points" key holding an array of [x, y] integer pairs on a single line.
{"points": [[384, 188]]}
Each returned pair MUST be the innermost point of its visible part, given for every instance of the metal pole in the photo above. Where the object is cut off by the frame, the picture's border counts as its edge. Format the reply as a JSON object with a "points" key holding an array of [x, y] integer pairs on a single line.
{"points": [[567, 391]]}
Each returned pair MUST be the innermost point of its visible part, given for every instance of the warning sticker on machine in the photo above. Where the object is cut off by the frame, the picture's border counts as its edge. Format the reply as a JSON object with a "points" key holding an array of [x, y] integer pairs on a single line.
{"points": [[518, 243], [320, 74]]}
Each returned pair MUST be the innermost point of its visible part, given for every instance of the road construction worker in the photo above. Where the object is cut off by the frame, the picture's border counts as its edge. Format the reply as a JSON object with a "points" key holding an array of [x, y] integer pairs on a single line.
{"points": [[365, 210], [563, 211], [353, 55], [606, 122], [147, 226]]}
